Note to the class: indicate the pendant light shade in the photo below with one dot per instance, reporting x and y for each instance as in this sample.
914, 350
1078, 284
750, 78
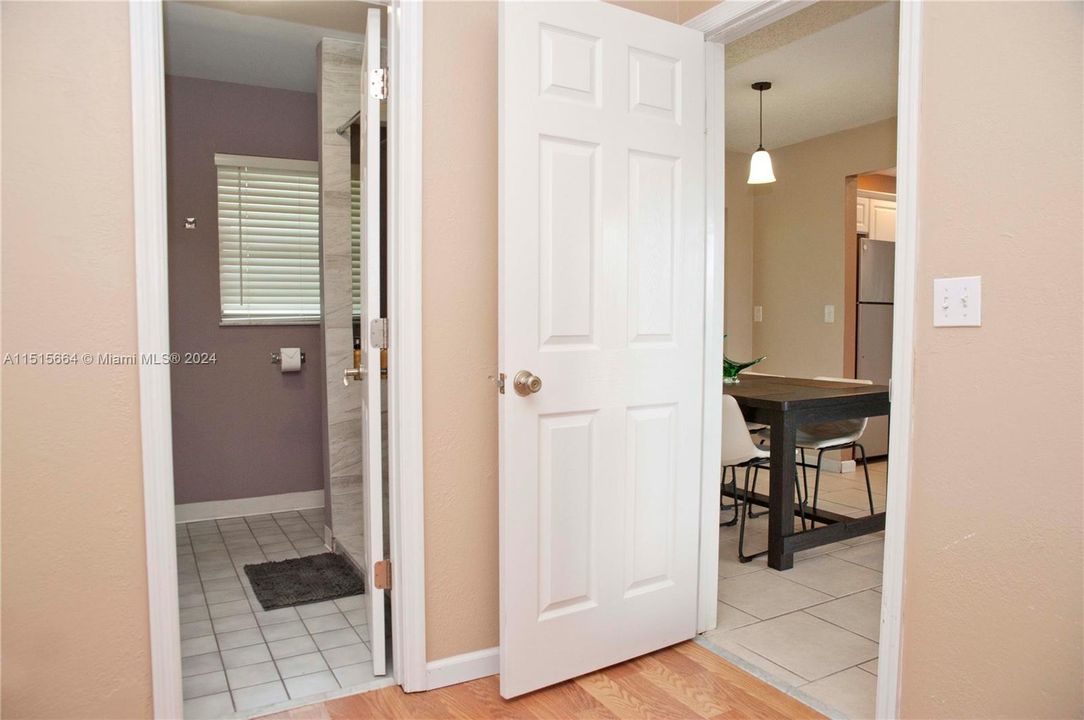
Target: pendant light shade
760, 165
760, 168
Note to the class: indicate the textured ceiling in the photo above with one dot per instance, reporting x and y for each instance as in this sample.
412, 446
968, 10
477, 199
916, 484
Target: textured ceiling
825, 77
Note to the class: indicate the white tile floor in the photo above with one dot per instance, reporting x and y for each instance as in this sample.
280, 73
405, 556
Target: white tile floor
236, 657
814, 627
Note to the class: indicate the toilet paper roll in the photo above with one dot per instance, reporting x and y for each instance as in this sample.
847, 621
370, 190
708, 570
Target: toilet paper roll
291, 359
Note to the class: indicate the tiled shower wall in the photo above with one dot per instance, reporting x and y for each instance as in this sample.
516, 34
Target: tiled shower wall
339, 92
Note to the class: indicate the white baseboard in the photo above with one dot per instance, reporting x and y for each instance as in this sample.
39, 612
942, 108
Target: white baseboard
220, 509
461, 668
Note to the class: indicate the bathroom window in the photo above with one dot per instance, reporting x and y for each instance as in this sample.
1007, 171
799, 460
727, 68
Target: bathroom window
268, 240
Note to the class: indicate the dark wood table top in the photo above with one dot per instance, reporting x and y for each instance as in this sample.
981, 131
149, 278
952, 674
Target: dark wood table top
787, 393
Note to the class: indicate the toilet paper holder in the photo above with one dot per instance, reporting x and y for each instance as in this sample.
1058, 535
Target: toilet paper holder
276, 358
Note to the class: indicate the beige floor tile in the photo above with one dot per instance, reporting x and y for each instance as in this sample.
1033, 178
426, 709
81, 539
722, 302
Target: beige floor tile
833, 576
863, 539
767, 593
805, 645
870, 667
779, 674
869, 554
852, 692
730, 618
860, 613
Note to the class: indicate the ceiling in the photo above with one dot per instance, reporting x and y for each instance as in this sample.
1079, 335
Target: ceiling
256, 43
838, 77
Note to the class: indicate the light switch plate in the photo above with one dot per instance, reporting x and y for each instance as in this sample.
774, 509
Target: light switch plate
829, 313
957, 302
758, 313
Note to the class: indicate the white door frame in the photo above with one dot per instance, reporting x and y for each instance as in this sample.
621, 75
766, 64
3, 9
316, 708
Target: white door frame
724, 23
407, 547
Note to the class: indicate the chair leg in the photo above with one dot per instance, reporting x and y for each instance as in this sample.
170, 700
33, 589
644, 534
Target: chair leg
753, 514
801, 502
742, 557
865, 469
734, 483
803, 497
816, 487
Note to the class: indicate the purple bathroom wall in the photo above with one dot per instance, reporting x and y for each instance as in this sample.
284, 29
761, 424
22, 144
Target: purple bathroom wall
241, 428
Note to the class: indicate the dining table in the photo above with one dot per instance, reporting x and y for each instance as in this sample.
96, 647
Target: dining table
785, 404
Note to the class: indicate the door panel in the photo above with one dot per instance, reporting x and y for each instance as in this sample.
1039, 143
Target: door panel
602, 296
373, 475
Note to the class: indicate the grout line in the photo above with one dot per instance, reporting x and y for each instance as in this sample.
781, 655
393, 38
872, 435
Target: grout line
237, 574
221, 660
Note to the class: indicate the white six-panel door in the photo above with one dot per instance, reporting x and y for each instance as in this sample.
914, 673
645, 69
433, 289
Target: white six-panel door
602, 297
373, 472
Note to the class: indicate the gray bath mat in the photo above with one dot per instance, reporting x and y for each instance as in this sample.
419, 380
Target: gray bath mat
309, 579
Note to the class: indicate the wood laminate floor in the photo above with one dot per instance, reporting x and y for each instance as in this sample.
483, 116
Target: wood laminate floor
683, 681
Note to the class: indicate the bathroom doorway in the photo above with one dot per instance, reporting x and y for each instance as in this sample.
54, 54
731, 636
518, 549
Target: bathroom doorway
277, 256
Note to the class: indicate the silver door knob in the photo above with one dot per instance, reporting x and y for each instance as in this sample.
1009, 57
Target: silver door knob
526, 383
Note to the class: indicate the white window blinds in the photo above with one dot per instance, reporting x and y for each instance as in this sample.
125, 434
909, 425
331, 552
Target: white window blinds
268, 239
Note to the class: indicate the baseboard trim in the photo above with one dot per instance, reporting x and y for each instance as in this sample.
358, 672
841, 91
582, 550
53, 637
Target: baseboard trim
221, 509
461, 668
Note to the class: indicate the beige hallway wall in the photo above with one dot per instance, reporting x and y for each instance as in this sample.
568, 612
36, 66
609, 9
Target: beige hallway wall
798, 249
738, 266
75, 636
992, 595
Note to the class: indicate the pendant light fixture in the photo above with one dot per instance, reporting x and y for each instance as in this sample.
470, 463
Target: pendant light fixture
760, 165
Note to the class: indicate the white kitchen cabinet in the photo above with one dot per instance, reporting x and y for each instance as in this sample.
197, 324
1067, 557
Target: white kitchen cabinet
877, 215
863, 214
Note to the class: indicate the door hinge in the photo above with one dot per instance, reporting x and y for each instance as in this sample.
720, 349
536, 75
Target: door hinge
378, 83
382, 575
378, 333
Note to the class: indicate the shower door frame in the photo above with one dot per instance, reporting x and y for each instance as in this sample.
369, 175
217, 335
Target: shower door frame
404, 179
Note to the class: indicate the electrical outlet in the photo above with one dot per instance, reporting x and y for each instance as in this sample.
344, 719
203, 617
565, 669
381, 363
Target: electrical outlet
758, 313
829, 313
957, 302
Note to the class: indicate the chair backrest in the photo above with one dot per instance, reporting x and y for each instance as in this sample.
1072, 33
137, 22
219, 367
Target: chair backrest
849, 381
738, 446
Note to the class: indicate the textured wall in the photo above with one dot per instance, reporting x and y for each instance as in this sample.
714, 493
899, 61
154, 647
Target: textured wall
241, 428
992, 591
75, 639
798, 265
459, 316
738, 266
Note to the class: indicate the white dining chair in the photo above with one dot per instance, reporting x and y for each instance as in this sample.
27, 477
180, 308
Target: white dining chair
739, 450
834, 435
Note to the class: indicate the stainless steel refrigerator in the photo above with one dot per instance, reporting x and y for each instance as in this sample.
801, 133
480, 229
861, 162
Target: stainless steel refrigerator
876, 271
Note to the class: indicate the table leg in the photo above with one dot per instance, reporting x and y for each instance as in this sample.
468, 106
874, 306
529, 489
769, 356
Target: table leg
781, 497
